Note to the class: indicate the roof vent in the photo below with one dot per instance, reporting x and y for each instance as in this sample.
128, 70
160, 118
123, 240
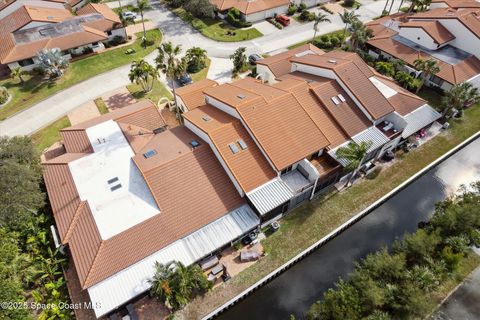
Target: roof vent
241, 96
194, 143
332, 61
149, 154
159, 130
341, 97
242, 144
233, 147
50, 17
335, 100
206, 118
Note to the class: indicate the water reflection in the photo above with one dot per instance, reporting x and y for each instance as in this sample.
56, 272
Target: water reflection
295, 290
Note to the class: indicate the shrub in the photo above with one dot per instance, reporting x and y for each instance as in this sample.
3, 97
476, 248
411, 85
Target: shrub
4, 95
349, 3
302, 7
307, 16
116, 41
325, 37
177, 3
130, 51
292, 8
234, 18
334, 41
200, 8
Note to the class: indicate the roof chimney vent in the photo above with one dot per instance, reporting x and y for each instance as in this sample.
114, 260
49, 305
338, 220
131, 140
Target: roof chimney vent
332, 61
206, 118
241, 96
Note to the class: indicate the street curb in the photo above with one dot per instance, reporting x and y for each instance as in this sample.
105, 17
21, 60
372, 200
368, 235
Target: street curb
337, 231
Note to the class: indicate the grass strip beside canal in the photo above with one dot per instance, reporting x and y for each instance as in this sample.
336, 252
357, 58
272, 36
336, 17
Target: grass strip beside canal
314, 220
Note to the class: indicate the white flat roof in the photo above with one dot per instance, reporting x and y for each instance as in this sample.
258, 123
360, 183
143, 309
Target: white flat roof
134, 280
383, 88
111, 183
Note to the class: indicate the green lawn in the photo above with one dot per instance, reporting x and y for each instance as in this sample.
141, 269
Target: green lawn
158, 91
217, 29
314, 220
338, 32
202, 74
101, 106
47, 136
36, 89
432, 96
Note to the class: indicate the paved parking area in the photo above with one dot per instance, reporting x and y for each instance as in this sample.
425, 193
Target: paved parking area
265, 27
83, 113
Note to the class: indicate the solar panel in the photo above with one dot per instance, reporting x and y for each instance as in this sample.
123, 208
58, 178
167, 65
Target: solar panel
194, 143
233, 148
242, 144
342, 98
149, 153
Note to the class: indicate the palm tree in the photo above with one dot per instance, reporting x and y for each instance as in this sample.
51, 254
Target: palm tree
460, 95
160, 286
407, 81
391, 6
142, 5
421, 5
319, 18
171, 65
239, 60
385, 8
18, 73
360, 34
52, 62
348, 17
143, 74
354, 153
195, 58
427, 67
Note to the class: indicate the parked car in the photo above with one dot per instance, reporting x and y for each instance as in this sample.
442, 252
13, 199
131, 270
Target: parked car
253, 58
129, 15
283, 20
184, 79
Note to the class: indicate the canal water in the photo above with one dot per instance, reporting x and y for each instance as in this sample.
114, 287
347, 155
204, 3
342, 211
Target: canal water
295, 290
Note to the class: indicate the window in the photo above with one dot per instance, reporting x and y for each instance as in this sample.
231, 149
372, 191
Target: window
194, 143
26, 62
436, 80
149, 154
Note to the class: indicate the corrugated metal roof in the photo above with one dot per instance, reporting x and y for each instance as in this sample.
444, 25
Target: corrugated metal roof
372, 134
132, 281
270, 195
418, 119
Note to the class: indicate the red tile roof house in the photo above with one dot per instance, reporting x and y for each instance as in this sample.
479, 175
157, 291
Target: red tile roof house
29, 29
251, 152
449, 36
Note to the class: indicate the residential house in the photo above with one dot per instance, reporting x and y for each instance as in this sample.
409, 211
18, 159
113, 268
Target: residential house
449, 36
252, 10
29, 29
129, 192
191, 96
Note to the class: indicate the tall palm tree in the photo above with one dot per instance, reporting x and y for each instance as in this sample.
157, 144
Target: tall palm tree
391, 6
18, 73
420, 5
348, 17
171, 65
460, 95
142, 5
354, 153
160, 286
319, 18
427, 67
360, 34
385, 8
143, 74
195, 58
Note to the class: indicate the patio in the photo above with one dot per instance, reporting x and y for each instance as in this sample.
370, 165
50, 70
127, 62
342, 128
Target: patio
296, 181
325, 165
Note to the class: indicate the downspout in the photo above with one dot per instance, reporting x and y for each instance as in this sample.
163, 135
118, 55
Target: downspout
313, 190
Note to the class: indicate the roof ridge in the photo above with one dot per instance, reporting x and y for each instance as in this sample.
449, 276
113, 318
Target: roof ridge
74, 222
89, 273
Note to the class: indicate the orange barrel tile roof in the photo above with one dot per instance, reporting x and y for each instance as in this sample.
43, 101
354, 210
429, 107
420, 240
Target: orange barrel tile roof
249, 6
192, 95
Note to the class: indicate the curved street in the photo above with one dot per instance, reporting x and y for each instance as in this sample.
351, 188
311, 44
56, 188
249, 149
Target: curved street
176, 30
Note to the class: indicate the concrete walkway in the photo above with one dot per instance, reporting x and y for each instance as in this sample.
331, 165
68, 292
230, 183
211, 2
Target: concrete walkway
179, 32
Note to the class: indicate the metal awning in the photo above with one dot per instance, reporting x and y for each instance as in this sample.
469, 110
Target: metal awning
134, 280
372, 134
419, 119
270, 195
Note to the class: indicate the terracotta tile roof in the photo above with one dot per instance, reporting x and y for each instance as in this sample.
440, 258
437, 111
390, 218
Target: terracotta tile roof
303, 92
434, 29
45, 14
256, 86
470, 18
137, 119
213, 196
248, 166
355, 77
454, 74
231, 95
192, 94
457, 4
280, 65
248, 6
103, 9
283, 128
5, 3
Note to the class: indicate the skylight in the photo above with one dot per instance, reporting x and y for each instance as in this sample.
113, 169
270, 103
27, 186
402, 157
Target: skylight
342, 98
115, 187
194, 143
335, 100
159, 130
149, 153
206, 118
233, 147
242, 144
112, 180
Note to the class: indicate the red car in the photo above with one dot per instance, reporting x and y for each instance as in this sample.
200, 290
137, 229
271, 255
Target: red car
283, 19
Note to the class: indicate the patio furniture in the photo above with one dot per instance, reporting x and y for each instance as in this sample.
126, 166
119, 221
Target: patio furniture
217, 269
275, 226
388, 127
249, 255
211, 277
209, 263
